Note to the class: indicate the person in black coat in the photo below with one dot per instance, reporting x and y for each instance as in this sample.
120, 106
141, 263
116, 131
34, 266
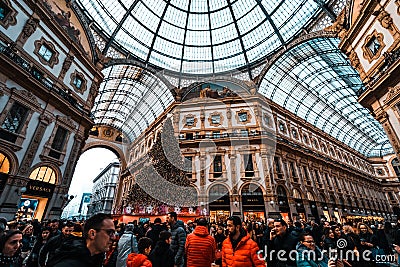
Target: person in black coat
219, 238
281, 239
33, 257
162, 255
48, 249
155, 230
88, 250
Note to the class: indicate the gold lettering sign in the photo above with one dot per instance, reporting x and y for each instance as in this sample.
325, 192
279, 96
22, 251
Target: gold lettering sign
39, 188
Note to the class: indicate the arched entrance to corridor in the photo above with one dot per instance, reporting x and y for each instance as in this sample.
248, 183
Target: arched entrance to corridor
92, 164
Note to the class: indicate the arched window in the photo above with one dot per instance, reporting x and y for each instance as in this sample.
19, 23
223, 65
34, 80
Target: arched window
396, 166
4, 164
44, 174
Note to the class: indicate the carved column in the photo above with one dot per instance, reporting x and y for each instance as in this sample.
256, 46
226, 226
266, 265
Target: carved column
93, 91
72, 160
34, 145
387, 126
28, 29
355, 62
65, 67
266, 168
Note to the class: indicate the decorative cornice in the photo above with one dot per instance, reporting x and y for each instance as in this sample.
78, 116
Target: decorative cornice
393, 93
67, 121
26, 95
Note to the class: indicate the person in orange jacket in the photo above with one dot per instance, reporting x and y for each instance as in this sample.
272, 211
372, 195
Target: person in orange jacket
141, 260
239, 250
200, 247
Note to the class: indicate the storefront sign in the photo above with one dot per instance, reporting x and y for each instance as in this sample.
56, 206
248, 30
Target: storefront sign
37, 188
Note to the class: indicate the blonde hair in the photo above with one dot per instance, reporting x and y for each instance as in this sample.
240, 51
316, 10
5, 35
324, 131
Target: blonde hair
348, 229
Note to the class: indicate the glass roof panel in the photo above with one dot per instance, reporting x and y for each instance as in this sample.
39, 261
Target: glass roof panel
212, 27
129, 99
329, 101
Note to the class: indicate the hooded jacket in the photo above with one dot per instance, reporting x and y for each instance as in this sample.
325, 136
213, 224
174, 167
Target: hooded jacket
162, 255
200, 248
138, 260
73, 252
126, 244
243, 255
178, 242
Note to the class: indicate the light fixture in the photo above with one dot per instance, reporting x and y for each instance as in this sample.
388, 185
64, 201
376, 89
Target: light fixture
345, 210
312, 206
336, 209
325, 207
271, 202
235, 203
281, 202
20, 190
354, 210
298, 204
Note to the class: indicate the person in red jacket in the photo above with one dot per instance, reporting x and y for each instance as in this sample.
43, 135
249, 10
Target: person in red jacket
239, 250
200, 247
141, 260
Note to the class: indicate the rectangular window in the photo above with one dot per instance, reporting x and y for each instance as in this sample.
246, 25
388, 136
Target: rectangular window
292, 169
215, 119
4, 10
59, 139
45, 52
217, 165
374, 45
277, 165
78, 82
317, 178
15, 118
248, 165
190, 121
306, 175
328, 181
188, 164
242, 116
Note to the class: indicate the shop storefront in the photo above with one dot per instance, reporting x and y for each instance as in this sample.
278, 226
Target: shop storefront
219, 205
33, 202
253, 203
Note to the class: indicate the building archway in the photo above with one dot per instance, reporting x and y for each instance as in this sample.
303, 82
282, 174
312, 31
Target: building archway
219, 203
253, 202
90, 165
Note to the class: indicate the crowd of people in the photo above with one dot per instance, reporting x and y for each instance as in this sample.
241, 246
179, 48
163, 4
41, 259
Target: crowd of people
102, 242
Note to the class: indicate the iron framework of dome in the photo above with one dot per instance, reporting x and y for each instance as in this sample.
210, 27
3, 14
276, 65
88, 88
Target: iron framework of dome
312, 79
200, 36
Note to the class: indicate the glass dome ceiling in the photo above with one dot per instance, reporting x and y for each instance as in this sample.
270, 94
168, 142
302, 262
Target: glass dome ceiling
200, 36
315, 81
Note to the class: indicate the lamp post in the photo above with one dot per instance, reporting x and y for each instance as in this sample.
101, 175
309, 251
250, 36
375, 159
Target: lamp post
66, 199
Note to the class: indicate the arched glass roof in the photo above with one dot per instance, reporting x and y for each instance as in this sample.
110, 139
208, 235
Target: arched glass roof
316, 82
130, 98
201, 36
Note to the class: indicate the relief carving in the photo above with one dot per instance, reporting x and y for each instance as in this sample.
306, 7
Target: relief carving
67, 121
386, 20
66, 65
28, 30
32, 149
72, 160
393, 92
94, 90
338, 27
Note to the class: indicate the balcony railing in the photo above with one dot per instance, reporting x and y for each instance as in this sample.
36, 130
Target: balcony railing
34, 72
